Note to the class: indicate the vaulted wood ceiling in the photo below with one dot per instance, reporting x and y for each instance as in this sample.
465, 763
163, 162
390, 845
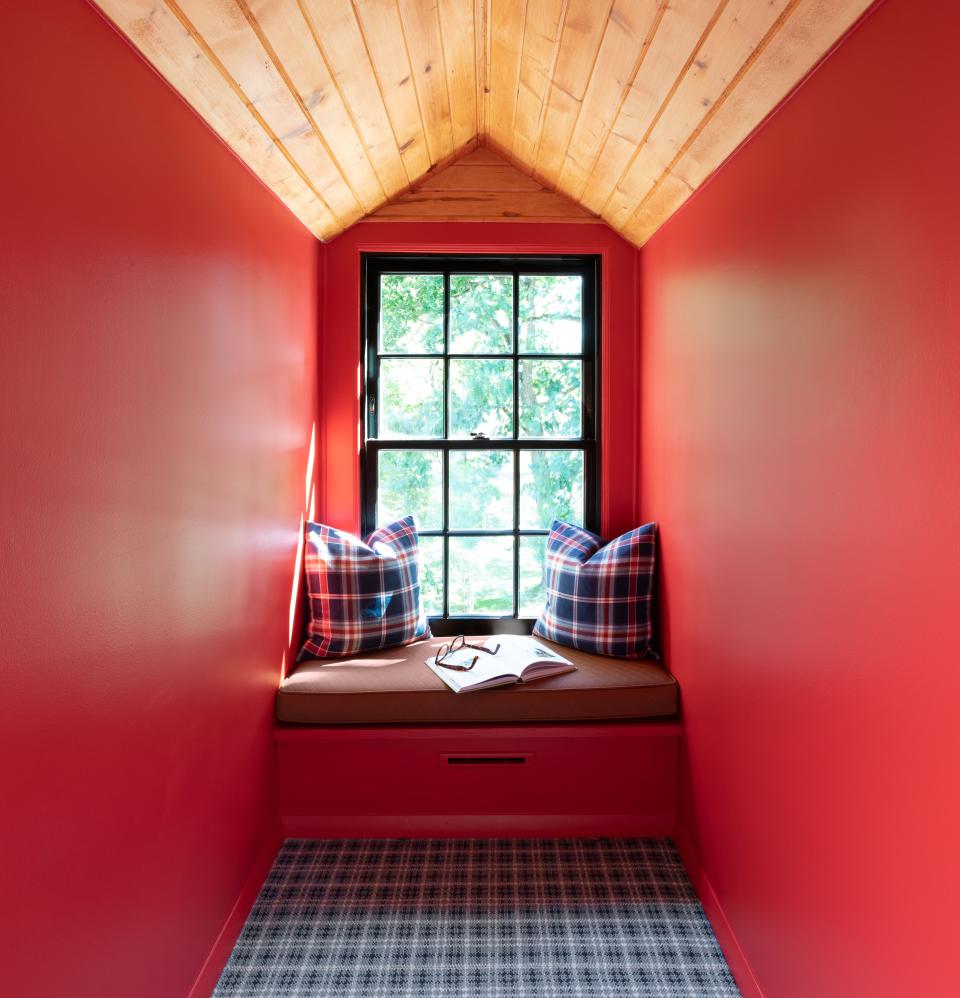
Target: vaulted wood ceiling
343, 107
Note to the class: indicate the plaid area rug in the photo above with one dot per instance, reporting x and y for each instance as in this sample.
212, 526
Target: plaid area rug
475, 918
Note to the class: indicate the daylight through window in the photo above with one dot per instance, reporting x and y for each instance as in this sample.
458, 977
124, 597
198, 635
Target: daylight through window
481, 418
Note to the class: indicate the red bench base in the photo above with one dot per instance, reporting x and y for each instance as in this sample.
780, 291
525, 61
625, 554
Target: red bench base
531, 780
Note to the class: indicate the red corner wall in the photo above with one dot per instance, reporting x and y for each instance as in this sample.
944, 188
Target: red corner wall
158, 318
800, 431
340, 363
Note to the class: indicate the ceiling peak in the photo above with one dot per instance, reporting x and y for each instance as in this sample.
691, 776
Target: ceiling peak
481, 186
349, 109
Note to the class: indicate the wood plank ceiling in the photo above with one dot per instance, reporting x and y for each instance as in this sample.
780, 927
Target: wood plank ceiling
343, 107
482, 187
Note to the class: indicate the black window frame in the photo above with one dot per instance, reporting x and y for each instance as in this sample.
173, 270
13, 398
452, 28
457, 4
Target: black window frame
373, 266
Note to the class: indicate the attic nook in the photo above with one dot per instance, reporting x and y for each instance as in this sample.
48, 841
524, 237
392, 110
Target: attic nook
478, 505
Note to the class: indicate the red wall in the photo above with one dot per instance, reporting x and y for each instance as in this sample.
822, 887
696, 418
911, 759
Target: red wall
158, 320
801, 419
339, 393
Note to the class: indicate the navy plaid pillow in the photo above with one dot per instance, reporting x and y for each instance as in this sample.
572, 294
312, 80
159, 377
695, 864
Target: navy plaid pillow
363, 595
599, 595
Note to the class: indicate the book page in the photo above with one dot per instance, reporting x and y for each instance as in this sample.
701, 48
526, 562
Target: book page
526, 656
518, 659
488, 670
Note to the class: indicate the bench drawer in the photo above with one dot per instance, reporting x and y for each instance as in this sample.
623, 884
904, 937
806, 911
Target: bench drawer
548, 779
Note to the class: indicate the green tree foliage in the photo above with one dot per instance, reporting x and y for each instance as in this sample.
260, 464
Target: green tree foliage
411, 313
481, 401
550, 314
481, 313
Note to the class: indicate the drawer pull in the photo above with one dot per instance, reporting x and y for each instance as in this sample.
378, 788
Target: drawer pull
482, 759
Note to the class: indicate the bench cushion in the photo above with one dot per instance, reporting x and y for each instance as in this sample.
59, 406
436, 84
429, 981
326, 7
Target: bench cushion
395, 687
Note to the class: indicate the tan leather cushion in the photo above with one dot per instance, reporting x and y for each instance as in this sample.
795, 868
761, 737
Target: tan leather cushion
395, 687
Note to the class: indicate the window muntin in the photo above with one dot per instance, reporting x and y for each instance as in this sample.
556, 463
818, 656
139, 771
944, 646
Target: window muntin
480, 419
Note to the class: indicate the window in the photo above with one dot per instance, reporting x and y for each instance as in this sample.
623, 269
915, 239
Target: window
481, 420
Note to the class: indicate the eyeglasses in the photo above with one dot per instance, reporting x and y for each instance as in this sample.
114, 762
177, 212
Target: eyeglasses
455, 645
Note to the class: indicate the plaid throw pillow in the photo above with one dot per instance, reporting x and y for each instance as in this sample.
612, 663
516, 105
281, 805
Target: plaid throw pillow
363, 595
599, 595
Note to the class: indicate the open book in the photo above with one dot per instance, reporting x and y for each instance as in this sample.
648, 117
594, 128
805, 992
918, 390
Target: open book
519, 660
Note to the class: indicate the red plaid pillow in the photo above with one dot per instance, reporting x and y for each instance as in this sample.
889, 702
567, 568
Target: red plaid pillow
363, 595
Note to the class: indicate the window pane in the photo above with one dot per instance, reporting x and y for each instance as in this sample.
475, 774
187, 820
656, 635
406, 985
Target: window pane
410, 481
551, 314
481, 397
481, 313
551, 487
532, 592
431, 575
550, 398
411, 313
481, 575
411, 398
481, 490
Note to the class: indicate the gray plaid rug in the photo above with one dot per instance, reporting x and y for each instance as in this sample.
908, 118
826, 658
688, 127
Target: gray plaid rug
475, 918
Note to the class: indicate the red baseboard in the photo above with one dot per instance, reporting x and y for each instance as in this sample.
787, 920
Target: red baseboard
736, 958
223, 946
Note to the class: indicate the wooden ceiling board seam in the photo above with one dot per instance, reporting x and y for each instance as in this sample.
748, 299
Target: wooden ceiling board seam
488, 66
486, 205
488, 187
158, 35
457, 41
661, 8
742, 30
484, 186
478, 71
381, 171
718, 11
821, 19
427, 181
228, 35
516, 85
208, 52
315, 82
544, 25
789, 7
422, 56
611, 24
504, 153
240, 49
414, 151
446, 76
558, 45
570, 90
416, 92
363, 95
281, 69
482, 177
683, 25
505, 55
481, 156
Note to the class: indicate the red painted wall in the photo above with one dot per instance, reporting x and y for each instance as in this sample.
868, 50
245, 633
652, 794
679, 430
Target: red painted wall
339, 392
800, 427
158, 316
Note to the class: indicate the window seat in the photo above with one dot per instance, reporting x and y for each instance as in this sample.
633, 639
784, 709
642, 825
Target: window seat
395, 687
